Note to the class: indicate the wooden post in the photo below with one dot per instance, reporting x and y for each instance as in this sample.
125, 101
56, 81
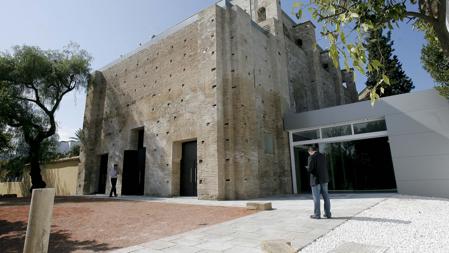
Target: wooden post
39, 221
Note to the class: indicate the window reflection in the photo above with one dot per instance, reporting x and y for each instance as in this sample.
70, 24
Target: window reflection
368, 127
336, 131
306, 135
361, 165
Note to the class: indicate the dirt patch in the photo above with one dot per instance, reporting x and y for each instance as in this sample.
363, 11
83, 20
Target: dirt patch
92, 225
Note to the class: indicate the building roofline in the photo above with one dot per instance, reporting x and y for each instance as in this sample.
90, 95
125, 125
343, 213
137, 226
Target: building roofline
162, 35
169, 31
305, 23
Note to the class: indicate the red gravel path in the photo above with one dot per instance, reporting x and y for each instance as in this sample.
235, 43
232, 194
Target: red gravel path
92, 225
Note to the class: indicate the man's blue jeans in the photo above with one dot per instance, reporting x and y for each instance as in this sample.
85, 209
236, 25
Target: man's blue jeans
317, 190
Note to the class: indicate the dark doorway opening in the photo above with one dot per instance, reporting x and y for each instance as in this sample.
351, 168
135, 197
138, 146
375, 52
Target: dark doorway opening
140, 135
189, 169
354, 166
302, 176
133, 178
103, 174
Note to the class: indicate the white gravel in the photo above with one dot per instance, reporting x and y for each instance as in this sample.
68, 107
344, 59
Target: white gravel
403, 224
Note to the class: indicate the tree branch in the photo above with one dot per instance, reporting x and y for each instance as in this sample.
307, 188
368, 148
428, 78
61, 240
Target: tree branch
426, 18
70, 87
55, 106
330, 16
11, 124
26, 99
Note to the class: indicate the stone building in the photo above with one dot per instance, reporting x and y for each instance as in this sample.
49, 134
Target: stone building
198, 110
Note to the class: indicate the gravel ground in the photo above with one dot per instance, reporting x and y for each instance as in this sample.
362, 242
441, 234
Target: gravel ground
402, 224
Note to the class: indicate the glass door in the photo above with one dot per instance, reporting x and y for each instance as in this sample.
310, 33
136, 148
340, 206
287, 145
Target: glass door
354, 166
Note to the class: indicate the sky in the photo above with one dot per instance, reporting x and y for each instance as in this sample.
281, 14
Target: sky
108, 29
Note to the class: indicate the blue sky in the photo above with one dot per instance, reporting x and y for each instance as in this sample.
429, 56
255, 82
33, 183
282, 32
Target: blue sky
108, 29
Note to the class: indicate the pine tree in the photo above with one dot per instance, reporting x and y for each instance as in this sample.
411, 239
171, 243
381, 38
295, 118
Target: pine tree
380, 47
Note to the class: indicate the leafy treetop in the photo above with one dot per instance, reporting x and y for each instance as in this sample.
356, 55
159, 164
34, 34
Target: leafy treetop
346, 22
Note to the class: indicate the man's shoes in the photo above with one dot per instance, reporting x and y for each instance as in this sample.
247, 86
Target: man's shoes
315, 217
327, 216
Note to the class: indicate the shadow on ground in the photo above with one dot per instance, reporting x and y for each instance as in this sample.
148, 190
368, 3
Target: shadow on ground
371, 219
333, 195
12, 238
58, 200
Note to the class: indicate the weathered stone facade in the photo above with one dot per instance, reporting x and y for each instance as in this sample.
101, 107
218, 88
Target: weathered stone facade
224, 77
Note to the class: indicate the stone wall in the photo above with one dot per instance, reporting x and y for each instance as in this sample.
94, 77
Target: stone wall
255, 97
167, 87
315, 81
225, 77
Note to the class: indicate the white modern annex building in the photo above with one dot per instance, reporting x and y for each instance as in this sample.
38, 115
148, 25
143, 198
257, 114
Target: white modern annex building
399, 144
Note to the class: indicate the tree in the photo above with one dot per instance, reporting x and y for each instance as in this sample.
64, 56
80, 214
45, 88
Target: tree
346, 22
32, 84
79, 139
5, 138
17, 156
436, 62
74, 151
79, 136
380, 46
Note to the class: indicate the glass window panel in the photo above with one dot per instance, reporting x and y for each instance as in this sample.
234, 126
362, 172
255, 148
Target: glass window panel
360, 165
336, 131
369, 127
306, 135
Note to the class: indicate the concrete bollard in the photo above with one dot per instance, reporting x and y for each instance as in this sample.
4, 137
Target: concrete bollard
39, 221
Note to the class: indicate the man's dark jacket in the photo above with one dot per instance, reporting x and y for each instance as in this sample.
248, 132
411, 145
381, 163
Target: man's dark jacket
318, 169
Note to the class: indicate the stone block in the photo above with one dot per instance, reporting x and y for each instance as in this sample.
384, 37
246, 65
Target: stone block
262, 206
277, 246
352, 247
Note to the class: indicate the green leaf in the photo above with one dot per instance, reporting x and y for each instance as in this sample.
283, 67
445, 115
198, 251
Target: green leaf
376, 64
373, 96
360, 69
365, 27
299, 14
333, 53
343, 37
386, 79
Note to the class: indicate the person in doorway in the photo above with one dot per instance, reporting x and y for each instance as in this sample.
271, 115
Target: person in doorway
319, 178
114, 174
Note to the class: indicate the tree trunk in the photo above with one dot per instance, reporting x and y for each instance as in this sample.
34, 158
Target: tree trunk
35, 172
441, 30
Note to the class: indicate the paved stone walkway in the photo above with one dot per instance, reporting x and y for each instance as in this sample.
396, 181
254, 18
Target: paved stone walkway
289, 221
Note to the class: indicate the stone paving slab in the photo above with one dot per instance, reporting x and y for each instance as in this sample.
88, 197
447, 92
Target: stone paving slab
352, 247
288, 221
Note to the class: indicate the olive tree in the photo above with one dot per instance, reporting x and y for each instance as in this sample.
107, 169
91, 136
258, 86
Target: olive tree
33, 83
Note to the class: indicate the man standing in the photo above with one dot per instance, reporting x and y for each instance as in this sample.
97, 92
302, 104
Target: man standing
114, 174
319, 178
